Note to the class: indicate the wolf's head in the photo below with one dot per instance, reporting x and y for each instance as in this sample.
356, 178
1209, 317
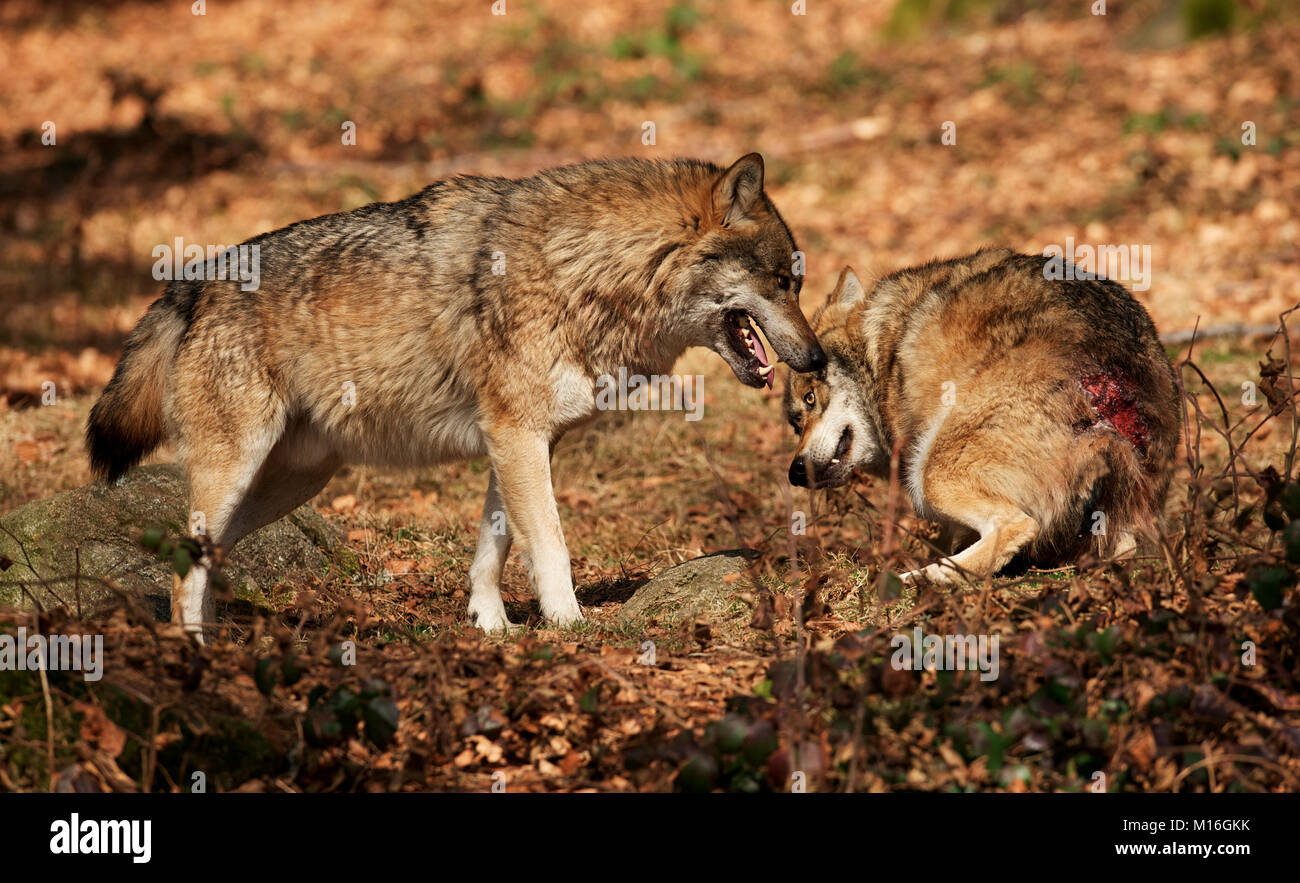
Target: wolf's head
834, 410
743, 277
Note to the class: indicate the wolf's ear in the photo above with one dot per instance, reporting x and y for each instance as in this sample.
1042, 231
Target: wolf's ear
848, 291
739, 189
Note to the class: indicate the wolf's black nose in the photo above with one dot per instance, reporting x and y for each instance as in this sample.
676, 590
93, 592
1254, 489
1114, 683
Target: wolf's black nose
817, 359
798, 473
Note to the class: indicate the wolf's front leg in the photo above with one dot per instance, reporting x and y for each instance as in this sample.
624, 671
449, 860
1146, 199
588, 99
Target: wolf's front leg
486, 609
521, 461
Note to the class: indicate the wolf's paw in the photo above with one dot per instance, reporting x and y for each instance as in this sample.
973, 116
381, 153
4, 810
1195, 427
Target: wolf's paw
489, 614
935, 573
564, 613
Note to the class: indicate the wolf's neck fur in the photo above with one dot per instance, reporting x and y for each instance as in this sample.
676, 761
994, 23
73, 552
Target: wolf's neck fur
869, 327
619, 242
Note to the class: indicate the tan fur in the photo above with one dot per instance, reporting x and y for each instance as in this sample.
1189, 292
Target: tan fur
130, 413
997, 383
470, 319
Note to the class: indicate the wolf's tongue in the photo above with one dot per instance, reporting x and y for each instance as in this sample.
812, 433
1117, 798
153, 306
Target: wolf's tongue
759, 352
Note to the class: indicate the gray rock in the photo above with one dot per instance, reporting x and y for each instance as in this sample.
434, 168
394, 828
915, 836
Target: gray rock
693, 588
100, 524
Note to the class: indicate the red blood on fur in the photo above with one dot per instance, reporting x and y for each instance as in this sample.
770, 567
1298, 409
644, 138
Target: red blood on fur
1113, 400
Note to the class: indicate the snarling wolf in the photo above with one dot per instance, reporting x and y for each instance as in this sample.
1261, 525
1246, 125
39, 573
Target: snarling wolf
1039, 416
470, 319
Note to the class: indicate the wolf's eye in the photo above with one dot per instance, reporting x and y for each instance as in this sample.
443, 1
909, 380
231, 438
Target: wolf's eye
782, 281
810, 398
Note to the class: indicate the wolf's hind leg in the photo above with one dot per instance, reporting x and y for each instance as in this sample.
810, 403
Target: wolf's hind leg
486, 609
1003, 530
297, 468
1002, 534
242, 481
521, 460
273, 494
221, 477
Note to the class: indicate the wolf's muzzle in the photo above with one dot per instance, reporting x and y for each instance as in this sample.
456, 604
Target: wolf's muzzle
812, 359
799, 472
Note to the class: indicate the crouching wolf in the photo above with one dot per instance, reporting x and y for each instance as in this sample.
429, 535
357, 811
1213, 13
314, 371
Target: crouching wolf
1040, 415
470, 319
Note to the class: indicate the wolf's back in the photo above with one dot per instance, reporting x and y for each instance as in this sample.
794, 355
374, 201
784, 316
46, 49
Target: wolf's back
127, 421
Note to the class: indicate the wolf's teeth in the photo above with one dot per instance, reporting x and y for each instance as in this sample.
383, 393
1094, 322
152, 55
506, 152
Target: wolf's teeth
744, 333
765, 370
834, 461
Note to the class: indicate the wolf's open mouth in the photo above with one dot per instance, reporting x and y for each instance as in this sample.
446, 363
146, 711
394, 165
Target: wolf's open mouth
836, 472
842, 449
746, 344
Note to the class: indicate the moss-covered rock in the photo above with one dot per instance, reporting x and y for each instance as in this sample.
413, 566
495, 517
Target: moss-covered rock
695, 588
95, 530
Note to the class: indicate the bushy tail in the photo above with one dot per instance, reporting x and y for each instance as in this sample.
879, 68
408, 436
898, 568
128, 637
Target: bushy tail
1119, 480
1127, 489
127, 421
1132, 493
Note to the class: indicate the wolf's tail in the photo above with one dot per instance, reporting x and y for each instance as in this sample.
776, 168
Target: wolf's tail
1132, 492
1120, 493
127, 421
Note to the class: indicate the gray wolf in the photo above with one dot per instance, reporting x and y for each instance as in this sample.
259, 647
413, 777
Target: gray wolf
470, 319
1040, 417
